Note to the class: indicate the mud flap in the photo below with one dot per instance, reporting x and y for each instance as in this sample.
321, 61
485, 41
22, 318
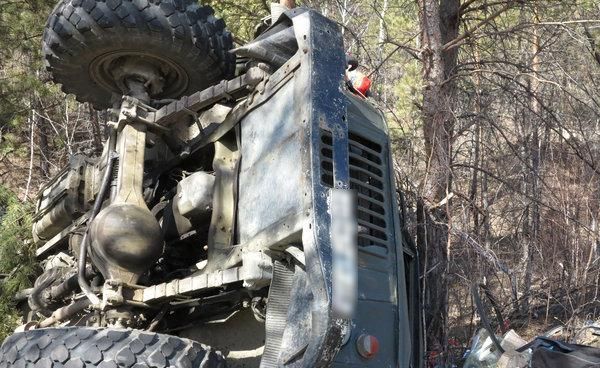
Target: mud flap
277, 311
288, 317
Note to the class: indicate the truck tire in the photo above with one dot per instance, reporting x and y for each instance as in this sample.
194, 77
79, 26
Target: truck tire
83, 40
84, 347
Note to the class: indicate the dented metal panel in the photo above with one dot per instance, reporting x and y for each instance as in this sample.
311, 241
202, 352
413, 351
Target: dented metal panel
282, 193
321, 105
271, 175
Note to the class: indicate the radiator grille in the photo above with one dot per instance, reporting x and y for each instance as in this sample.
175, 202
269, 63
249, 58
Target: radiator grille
367, 178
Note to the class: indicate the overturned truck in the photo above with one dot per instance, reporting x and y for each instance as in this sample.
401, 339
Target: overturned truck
243, 209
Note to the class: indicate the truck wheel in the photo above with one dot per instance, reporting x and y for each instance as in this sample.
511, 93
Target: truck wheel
83, 347
86, 41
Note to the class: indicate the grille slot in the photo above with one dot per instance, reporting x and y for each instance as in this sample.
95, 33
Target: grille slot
367, 178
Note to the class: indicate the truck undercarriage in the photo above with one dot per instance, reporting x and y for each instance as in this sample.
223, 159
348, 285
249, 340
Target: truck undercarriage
257, 216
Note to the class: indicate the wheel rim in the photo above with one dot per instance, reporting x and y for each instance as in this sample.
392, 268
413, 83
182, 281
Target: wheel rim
175, 77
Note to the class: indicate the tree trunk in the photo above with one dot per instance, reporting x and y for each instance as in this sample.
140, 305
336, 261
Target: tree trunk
439, 24
381, 39
44, 133
31, 120
476, 155
534, 152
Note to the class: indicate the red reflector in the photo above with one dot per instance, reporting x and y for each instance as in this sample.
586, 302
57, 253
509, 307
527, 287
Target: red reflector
362, 85
360, 82
367, 346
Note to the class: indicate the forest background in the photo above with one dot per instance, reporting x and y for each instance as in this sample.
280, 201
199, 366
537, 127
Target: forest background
494, 113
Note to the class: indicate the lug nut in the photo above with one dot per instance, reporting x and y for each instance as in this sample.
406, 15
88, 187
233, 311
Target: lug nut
367, 346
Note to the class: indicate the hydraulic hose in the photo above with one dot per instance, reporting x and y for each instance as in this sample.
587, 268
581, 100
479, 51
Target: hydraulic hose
106, 181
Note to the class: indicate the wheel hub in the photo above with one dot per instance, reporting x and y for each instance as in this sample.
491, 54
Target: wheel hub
122, 72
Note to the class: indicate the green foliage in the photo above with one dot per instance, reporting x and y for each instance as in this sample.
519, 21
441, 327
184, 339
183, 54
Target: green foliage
21, 26
241, 17
17, 256
11, 145
9, 319
407, 92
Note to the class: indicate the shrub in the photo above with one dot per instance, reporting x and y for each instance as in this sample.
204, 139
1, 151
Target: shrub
18, 265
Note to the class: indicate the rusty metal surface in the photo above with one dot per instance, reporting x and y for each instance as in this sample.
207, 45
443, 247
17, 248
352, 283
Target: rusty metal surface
225, 196
289, 148
193, 202
60, 202
252, 273
125, 236
321, 104
226, 90
287, 143
190, 286
59, 239
271, 173
264, 87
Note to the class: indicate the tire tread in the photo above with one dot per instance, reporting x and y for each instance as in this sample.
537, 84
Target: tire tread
188, 33
87, 347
